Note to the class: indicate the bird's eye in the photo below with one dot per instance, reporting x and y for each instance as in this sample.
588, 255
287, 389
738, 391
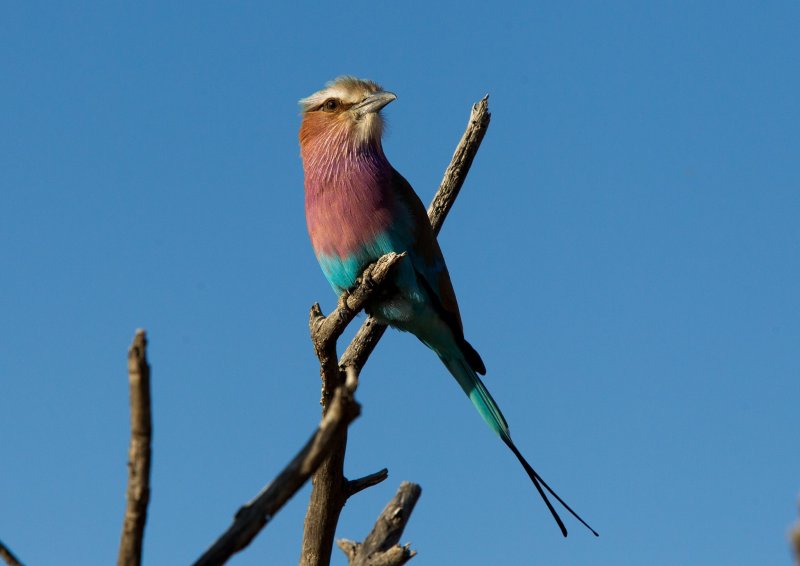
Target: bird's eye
330, 105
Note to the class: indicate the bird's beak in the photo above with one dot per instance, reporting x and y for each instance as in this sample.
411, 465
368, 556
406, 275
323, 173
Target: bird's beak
373, 103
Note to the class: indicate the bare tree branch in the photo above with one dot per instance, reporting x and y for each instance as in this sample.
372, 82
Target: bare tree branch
381, 547
138, 491
325, 331
330, 491
8, 556
456, 172
331, 488
340, 410
253, 516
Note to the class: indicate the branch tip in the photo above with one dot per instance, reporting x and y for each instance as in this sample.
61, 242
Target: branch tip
381, 545
139, 454
360, 484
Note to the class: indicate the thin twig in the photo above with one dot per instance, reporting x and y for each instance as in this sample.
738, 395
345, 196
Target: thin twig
381, 545
341, 410
138, 492
8, 556
330, 490
360, 484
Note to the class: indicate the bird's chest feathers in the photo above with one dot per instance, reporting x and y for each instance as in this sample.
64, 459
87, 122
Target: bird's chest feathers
350, 213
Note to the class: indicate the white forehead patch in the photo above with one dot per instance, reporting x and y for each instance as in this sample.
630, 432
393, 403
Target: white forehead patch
347, 89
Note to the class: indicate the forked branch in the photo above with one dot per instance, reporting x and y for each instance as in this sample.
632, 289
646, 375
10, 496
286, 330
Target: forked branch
381, 547
254, 515
341, 410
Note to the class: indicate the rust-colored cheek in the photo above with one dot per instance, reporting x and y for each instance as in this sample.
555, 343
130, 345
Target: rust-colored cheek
319, 125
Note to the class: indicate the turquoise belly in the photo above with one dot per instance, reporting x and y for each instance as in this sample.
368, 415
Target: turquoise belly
342, 272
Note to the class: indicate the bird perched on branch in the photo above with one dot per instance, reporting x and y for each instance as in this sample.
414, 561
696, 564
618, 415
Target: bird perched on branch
358, 208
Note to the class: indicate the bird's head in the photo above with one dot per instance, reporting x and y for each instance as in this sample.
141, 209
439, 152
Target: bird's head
346, 111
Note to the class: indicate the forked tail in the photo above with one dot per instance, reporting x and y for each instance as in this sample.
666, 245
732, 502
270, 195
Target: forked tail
483, 401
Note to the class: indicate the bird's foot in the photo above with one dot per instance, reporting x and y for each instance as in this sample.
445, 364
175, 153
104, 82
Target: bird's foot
366, 279
343, 308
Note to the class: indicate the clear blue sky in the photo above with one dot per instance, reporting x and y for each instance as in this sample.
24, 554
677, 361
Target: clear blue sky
626, 253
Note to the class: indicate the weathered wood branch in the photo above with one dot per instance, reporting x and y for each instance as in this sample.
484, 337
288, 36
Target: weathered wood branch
253, 516
456, 172
340, 410
8, 556
325, 331
139, 453
330, 491
381, 547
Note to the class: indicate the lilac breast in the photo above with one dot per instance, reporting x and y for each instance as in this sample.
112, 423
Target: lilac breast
348, 200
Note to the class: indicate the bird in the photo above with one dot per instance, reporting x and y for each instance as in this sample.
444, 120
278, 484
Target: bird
359, 208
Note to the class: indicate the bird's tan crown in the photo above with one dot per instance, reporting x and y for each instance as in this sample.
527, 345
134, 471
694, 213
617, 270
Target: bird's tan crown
346, 89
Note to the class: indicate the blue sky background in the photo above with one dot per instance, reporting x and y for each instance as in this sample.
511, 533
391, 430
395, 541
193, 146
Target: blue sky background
626, 252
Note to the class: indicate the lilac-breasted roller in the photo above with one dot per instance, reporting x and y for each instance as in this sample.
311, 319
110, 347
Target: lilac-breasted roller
358, 208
